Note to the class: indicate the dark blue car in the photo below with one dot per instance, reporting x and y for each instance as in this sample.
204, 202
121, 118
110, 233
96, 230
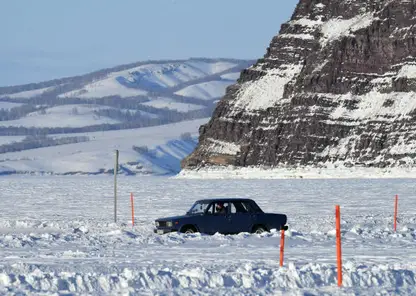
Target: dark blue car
223, 215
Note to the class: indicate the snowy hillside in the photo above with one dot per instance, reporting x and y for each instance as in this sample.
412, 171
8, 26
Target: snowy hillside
8, 105
153, 150
135, 79
72, 125
102, 88
61, 116
168, 91
172, 105
57, 236
29, 93
139, 80
206, 91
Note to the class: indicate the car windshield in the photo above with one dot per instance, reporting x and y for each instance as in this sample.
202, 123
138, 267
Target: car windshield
198, 208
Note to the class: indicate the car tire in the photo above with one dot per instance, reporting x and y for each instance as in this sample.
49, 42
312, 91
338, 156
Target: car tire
188, 230
259, 229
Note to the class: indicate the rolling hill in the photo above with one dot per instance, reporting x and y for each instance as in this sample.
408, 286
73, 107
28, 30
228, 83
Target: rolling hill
72, 125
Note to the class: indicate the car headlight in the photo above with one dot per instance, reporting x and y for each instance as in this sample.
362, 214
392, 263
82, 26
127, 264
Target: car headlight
169, 224
157, 224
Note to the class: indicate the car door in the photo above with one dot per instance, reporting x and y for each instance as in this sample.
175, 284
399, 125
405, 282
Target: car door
214, 222
241, 219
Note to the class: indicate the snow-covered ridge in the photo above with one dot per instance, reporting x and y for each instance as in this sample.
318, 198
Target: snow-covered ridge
136, 95
206, 90
209, 279
137, 80
28, 93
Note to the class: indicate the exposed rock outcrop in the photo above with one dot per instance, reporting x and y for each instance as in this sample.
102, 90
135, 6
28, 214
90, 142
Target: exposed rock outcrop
337, 84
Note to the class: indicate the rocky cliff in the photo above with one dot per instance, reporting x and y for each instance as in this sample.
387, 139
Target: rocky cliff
337, 84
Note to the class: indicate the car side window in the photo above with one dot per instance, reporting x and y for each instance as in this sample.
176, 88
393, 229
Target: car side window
247, 207
238, 207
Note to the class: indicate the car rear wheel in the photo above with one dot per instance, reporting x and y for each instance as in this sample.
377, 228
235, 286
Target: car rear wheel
259, 229
188, 229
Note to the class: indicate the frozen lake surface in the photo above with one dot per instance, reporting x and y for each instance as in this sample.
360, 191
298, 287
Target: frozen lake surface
57, 236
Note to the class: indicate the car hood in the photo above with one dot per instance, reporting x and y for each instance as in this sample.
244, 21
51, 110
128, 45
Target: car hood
173, 218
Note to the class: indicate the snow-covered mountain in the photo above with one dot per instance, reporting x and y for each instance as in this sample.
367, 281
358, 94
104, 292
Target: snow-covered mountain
72, 125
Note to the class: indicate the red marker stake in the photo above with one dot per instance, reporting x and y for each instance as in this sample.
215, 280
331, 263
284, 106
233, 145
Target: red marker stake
338, 238
282, 245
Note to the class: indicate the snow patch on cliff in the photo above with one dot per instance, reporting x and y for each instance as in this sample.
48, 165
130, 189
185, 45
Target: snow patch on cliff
299, 36
403, 146
408, 71
337, 28
375, 105
268, 90
222, 147
305, 22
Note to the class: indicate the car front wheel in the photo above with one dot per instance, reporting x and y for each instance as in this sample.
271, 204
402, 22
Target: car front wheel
188, 229
259, 229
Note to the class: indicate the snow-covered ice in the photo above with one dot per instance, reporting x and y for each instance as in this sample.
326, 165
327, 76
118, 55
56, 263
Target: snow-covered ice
57, 236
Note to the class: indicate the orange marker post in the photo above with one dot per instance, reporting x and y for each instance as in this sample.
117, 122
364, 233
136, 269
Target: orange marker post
396, 202
282, 245
132, 209
338, 238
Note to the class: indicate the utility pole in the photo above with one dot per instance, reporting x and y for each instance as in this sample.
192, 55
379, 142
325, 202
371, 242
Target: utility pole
115, 186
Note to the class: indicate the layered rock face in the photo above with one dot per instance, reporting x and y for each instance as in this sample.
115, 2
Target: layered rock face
337, 85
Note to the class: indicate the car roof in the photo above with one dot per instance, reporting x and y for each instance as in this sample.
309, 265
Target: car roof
225, 199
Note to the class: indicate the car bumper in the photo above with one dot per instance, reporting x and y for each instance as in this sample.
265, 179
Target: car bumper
164, 230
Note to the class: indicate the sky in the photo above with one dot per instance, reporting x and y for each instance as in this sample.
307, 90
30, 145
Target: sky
48, 39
